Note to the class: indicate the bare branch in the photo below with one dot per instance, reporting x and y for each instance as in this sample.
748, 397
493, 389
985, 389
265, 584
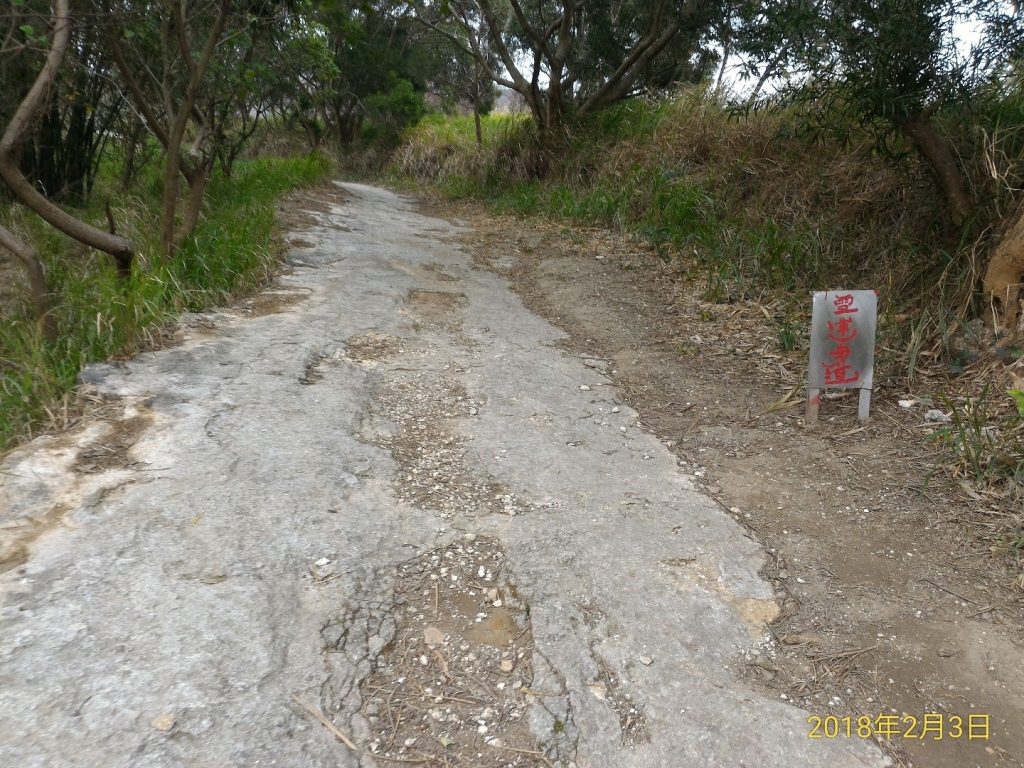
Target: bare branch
620, 83
36, 279
134, 88
118, 247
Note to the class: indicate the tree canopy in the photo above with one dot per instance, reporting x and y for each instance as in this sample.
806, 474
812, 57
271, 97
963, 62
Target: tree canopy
191, 81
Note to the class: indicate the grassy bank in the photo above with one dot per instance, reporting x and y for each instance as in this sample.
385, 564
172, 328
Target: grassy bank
234, 250
750, 207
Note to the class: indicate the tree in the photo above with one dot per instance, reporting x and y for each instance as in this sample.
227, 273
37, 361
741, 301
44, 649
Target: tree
28, 256
278, 57
574, 55
375, 48
885, 66
163, 42
120, 248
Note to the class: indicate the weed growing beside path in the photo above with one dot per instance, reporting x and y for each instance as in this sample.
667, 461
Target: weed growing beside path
233, 251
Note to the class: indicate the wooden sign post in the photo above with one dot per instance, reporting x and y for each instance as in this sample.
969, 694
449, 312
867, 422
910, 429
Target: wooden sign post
842, 347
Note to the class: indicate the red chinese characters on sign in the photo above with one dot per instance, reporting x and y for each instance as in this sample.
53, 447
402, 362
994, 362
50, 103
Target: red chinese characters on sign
841, 331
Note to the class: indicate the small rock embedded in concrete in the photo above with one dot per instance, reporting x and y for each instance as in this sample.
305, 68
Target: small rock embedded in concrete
506, 665
599, 691
615, 409
783, 574
470, 537
492, 594
646, 661
714, 490
323, 561
164, 723
584, 388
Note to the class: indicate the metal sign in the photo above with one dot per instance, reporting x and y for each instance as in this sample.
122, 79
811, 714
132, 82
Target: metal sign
842, 347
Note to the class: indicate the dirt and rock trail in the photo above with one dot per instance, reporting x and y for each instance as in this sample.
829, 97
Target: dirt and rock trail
891, 599
384, 514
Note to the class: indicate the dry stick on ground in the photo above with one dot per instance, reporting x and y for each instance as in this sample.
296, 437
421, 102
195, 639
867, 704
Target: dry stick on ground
121, 249
950, 591
846, 655
327, 724
36, 280
417, 761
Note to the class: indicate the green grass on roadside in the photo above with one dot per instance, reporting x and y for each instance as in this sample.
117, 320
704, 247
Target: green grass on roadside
232, 252
747, 206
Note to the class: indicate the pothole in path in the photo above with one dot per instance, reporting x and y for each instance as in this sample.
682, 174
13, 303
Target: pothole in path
111, 451
368, 347
436, 309
270, 302
607, 687
311, 372
411, 415
451, 689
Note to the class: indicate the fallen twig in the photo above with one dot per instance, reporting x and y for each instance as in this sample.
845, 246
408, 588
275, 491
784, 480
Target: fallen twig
995, 607
848, 654
327, 724
950, 591
523, 752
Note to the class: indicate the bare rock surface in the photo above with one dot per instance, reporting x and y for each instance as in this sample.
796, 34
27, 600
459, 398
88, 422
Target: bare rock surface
395, 504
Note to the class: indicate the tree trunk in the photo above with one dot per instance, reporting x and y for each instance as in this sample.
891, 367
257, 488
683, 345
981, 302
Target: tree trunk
921, 129
118, 247
197, 179
476, 103
129, 156
173, 169
36, 280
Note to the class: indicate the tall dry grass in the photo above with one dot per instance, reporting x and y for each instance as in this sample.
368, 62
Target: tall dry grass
755, 204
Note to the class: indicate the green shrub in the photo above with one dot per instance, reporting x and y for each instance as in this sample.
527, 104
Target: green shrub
392, 112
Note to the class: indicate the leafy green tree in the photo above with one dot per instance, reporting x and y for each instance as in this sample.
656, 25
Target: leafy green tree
18, 127
397, 109
376, 47
278, 58
883, 66
577, 56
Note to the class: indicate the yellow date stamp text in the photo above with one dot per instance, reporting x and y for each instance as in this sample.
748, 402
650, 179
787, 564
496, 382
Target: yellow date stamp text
931, 725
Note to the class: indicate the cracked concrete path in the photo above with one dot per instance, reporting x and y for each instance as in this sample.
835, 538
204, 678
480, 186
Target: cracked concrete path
287, 469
